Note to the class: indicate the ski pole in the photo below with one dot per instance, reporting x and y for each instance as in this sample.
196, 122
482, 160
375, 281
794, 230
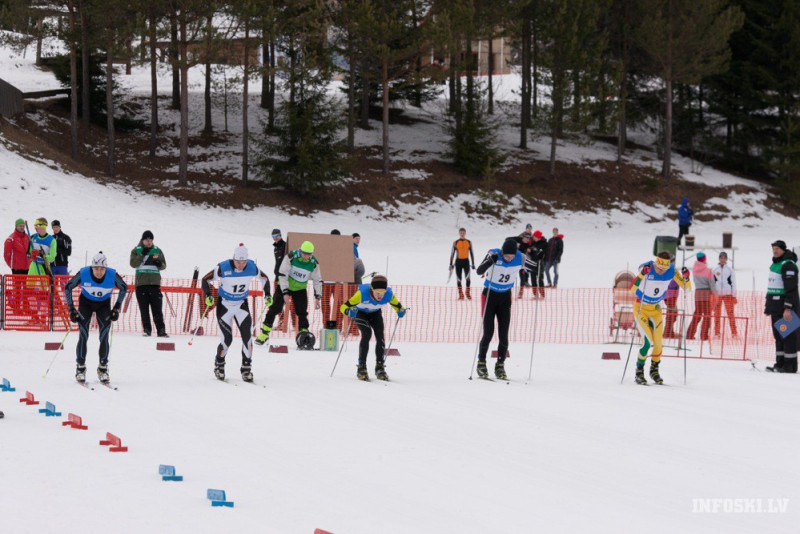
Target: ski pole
195, 330
391, 339
57, 351
683, 333
483, 318
344, 342
170, 305
633, 337
533, 340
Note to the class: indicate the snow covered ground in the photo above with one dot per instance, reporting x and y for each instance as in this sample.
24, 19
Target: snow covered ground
430, 452
572, 451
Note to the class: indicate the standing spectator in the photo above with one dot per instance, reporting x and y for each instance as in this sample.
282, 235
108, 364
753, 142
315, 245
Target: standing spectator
685, 214
523, 242
725, 284
97, 283
43, 249
555, 248
279, 246
781, 300
149, 261
16, 250
356, 242
64, 246
462, 252
703, 292
537, 253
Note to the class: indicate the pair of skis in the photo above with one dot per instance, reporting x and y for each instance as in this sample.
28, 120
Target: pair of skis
87, 385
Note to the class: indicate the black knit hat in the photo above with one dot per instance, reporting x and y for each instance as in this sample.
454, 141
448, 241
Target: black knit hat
55, 222
147, 235
780, 243
379, 282
509, 247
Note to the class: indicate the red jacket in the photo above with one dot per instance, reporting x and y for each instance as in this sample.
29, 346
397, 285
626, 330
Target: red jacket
15, 251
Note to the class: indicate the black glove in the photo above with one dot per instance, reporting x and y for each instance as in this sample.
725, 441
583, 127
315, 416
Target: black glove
74, 316
494, 257
157, 262
115, 312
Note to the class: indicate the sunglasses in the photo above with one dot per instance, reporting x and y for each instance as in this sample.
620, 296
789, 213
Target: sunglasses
40, 225
275, 235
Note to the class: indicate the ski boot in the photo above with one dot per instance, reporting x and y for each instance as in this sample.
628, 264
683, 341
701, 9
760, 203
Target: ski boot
482, 371
102, 373
264, 335
80, 373
361, 372
247, 374
640, 379
219, 369
654, 372
380, 372
500, 370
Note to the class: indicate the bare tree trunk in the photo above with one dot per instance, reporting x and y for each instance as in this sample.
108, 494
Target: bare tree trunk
245, 90
85, 96
110, 105
385, 117
271, 101
534, 83
452, 89
153, 85
39, 38
173, 54
265, 38
208, 127
490, 68
183, 165
73, 83
351, 96
364, 115
667, 163
525, 99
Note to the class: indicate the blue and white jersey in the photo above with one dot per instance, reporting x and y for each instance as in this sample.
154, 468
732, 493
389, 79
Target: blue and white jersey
368, 304
655, 285
502, 276
97, 291
234, 286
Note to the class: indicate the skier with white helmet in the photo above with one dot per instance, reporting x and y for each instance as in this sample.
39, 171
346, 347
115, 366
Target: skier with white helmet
233, 279
97, 282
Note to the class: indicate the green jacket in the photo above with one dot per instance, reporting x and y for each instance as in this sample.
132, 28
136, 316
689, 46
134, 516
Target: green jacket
148, 262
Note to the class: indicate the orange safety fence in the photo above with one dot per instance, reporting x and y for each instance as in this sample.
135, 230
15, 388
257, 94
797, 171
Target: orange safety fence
436, 315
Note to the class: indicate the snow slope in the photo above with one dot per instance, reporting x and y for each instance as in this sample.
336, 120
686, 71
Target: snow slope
573, 451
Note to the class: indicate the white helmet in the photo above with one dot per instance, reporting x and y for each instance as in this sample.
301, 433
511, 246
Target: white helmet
99, 260
240, 253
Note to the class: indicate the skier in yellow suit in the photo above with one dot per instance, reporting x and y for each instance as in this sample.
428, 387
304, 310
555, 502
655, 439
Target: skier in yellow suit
650, 288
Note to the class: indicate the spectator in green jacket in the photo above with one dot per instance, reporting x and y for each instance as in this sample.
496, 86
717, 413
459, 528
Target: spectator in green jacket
149, 261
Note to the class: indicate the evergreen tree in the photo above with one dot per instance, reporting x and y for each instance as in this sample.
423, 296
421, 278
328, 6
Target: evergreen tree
306, 152
686, 40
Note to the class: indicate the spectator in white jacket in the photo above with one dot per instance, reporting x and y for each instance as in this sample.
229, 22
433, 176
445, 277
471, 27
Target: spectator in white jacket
725, 282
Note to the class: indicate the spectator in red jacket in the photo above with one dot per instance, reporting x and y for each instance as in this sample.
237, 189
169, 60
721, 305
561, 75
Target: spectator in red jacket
16, 251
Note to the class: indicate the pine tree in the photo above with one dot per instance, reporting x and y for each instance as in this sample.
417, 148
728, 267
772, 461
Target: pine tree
306, 153
686, 40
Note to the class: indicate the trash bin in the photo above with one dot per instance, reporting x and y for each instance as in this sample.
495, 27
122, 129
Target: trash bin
665, 242
689, 240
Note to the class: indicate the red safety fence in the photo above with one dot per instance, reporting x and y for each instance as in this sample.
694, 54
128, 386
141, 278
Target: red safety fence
436, 315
